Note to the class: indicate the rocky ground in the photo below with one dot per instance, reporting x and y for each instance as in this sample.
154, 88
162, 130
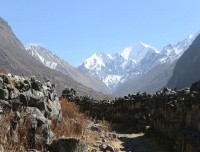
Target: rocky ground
136, 142
139, 143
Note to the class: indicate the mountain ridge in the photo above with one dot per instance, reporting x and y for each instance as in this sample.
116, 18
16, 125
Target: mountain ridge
187, 70
158, 77
52, 61
132, 62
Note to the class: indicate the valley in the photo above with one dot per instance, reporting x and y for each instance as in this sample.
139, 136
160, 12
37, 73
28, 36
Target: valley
138, 100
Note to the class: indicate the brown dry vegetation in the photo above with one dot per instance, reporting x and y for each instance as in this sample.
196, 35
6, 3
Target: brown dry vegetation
72, 124
12, 141
75, 124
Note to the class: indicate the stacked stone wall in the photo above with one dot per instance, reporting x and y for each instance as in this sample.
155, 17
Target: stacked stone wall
173, 117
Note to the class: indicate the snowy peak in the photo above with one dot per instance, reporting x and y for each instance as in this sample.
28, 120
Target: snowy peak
173, 52
43, 55
126, 53
96, 61
131, 62
54, 62
113, 69
140, 50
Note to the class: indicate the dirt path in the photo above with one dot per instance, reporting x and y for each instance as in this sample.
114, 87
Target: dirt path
136, 143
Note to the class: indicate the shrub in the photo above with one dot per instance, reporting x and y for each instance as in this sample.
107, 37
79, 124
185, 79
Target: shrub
12, 142
73, 123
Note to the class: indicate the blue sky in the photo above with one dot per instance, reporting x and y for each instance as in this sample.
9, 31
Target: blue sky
75, 29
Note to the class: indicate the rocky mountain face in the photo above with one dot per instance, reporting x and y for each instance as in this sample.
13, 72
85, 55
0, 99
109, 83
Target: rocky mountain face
156, 78
150, 82
52, 61
187, 68
16, 60
120, 67
133, 63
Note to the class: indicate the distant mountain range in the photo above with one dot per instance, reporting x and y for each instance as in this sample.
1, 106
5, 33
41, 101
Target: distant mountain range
116, 69
156, 78
17, 60
140, 68
54, 62
136, 68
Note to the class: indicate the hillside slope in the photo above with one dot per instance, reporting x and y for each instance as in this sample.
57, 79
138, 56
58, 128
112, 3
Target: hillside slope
187, 69
151, 82
16, 60
52, 61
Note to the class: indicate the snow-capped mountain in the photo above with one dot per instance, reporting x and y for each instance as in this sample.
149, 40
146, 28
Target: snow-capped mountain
118, 68
54, 62
131, 62
158, 77
43, 55
173, 52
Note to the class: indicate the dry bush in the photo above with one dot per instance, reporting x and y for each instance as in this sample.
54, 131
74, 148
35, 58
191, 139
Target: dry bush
75, 124
8, 138
5, 128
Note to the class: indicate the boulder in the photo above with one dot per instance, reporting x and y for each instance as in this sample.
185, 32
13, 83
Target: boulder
40, 131
4, 94
195, 86
68, 145
1, 148
4, 105
106, 148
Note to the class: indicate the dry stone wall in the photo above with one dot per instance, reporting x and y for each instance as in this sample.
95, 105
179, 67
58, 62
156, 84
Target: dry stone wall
173, 117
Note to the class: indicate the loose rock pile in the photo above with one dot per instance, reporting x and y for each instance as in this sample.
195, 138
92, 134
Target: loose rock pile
173, 117
31, 107
20, 92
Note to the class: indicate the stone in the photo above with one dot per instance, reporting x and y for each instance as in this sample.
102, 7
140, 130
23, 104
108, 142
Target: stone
68, 145
93, 150
195, 86
36, 85
39, 131
4, 94
106, 148
1, 80
5, 105
33, 150
109, 148
1, 148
